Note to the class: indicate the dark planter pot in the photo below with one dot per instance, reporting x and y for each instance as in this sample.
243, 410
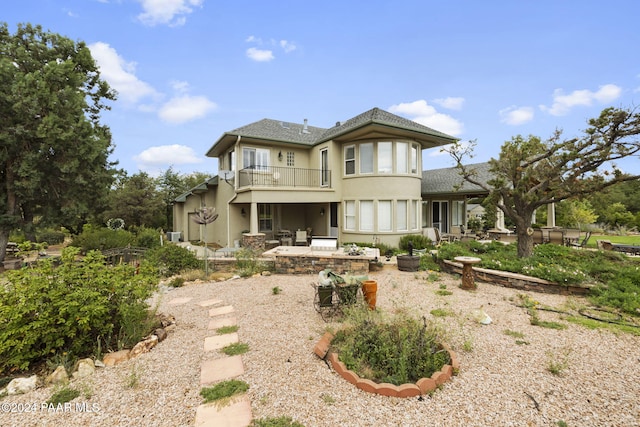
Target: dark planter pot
408, 262
325, 293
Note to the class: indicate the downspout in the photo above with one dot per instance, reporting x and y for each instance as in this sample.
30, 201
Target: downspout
235, 193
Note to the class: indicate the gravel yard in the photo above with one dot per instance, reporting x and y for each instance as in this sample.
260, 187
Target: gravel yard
501, 381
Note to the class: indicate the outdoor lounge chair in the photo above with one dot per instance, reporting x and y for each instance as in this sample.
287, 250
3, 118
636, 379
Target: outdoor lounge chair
301, 238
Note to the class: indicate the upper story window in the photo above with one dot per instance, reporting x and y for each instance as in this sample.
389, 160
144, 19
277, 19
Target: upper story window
414, 158
385, 157
255, 158
350, 160
366, 157
402, 157
231, 161
290, 158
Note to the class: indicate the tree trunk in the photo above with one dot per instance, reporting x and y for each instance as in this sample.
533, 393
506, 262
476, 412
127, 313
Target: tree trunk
525, 243
4, 239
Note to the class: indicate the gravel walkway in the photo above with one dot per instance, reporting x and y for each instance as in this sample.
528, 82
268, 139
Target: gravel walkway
500, 382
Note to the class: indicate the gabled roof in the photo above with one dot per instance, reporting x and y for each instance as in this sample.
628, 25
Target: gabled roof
203, 187
449, 181
372, 123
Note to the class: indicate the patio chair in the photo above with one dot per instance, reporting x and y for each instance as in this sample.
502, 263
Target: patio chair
571, 236
301, 238
583, 243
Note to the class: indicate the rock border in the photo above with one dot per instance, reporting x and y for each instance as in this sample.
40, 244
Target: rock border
422, 386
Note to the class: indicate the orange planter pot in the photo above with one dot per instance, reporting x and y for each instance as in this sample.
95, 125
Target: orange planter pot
369, 291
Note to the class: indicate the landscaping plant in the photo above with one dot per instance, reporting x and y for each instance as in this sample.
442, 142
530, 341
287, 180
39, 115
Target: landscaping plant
47, 310
395, 350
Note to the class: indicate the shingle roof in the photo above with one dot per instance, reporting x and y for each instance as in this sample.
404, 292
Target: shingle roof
296, 133
276, 130
449, 180
376, 115
200, 188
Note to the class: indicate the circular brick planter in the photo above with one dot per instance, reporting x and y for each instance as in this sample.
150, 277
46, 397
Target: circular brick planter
422, 386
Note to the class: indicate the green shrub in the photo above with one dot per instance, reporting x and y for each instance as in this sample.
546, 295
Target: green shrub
103, 238
52, 237
427, 263
147, 238
171, 259
71, 308
247, 263
397, 350
419, 242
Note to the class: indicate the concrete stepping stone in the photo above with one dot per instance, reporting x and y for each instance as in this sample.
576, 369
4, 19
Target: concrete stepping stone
217, 370
219, 341
218, 311
178, 301
210, 302
236, 414
222, 322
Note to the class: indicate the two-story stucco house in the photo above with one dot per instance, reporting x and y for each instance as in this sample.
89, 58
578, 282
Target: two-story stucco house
359, 181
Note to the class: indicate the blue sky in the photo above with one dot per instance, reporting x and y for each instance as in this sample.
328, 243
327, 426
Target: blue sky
186, 71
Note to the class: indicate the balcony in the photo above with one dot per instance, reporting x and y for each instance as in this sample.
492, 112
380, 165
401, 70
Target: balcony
276, 176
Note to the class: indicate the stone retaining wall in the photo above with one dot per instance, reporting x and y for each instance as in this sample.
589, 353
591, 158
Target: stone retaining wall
517, 281
311, 264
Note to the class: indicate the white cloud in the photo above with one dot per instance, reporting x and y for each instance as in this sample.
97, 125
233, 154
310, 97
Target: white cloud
170, 12
452, 103
562, 103
423, 113
166, 155
120, 74
287, 46
516, 115
180, 86
181, 109
260, 55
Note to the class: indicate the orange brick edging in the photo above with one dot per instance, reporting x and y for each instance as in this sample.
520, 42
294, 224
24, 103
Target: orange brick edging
422, 386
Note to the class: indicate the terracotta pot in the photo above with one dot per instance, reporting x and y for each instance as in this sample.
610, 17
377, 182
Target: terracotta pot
369, 291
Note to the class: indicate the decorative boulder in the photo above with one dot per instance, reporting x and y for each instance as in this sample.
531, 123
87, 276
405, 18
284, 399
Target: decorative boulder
59, 376
115, 358
85, 368
22, 385
160, 333
143, 346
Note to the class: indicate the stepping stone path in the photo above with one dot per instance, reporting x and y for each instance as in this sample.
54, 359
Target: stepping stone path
238, 412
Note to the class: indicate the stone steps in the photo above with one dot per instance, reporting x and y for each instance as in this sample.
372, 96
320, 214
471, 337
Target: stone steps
236, 413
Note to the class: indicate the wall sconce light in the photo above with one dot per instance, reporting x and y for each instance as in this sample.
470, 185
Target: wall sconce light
321, 211
243, 212
280, 156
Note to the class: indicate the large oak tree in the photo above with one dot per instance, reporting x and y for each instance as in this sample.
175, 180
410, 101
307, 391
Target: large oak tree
53, 149
530, 173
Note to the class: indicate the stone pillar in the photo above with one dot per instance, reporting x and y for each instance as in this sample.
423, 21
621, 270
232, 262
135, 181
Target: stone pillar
254, 242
